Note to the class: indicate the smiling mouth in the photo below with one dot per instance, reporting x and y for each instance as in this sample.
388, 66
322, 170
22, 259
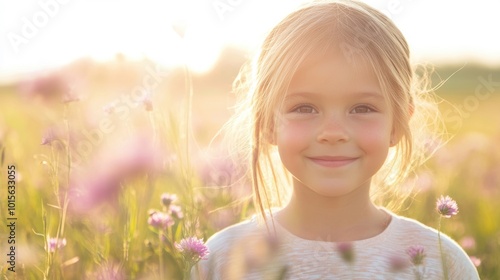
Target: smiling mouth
328, 161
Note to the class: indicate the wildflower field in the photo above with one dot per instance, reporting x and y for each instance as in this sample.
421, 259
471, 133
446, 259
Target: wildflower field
114, 171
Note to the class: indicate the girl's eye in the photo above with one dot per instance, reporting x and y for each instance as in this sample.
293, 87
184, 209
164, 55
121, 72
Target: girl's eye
363, 109
304, 109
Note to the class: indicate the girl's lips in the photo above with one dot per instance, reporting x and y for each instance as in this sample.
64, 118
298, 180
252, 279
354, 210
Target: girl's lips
329, 161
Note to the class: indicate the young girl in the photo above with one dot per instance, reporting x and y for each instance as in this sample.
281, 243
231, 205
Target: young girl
337, 123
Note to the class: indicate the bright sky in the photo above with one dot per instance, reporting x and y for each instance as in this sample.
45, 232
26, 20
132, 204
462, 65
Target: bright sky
42, 34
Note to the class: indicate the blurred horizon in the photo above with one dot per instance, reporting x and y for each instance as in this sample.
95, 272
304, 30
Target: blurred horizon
229, 55
49, 34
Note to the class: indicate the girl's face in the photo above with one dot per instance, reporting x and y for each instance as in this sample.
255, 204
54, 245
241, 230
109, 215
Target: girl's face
334, 130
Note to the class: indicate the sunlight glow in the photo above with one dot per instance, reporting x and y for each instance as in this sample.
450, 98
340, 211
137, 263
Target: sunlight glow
45, 34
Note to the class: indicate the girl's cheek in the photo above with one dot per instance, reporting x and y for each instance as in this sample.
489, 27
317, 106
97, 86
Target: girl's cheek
375, 131
294, 131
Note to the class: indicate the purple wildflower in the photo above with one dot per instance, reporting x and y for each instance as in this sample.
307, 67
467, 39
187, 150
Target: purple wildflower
167, 199
193, 249
102, 181
446, 206
70, 96
50, 135
417, 254
56, 86
160, 220
475, 260
468, 243
176, 211
55, 243
218, 172
46, 88
398, 263
346, 250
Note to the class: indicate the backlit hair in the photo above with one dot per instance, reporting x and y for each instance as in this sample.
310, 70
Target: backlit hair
358, 31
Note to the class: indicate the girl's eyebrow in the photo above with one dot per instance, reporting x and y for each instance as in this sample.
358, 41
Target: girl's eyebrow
359, 94
369, 94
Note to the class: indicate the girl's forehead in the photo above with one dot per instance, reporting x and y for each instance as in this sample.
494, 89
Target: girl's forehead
336, 62
333, 70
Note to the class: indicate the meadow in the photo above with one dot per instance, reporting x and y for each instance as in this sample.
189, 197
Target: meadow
115, 163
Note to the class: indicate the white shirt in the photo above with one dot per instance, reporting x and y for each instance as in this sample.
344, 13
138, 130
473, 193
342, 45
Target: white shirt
247, 251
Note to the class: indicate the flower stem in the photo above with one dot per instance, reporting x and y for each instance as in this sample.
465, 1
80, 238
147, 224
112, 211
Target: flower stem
187, 271
160, 253
443, 257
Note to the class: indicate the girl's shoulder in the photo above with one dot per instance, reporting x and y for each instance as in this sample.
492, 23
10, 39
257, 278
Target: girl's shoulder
409, 232
231, 248
412, 229
413, 232
233, 234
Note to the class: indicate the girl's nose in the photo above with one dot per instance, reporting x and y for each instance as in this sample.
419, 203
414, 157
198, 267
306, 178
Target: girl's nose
333, 130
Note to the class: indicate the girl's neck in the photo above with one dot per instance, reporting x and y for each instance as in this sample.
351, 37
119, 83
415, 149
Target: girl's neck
346, 218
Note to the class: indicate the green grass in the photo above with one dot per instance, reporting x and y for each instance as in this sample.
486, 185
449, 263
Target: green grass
115, 237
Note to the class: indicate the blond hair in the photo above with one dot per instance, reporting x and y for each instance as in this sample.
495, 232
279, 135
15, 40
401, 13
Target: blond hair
359, 31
